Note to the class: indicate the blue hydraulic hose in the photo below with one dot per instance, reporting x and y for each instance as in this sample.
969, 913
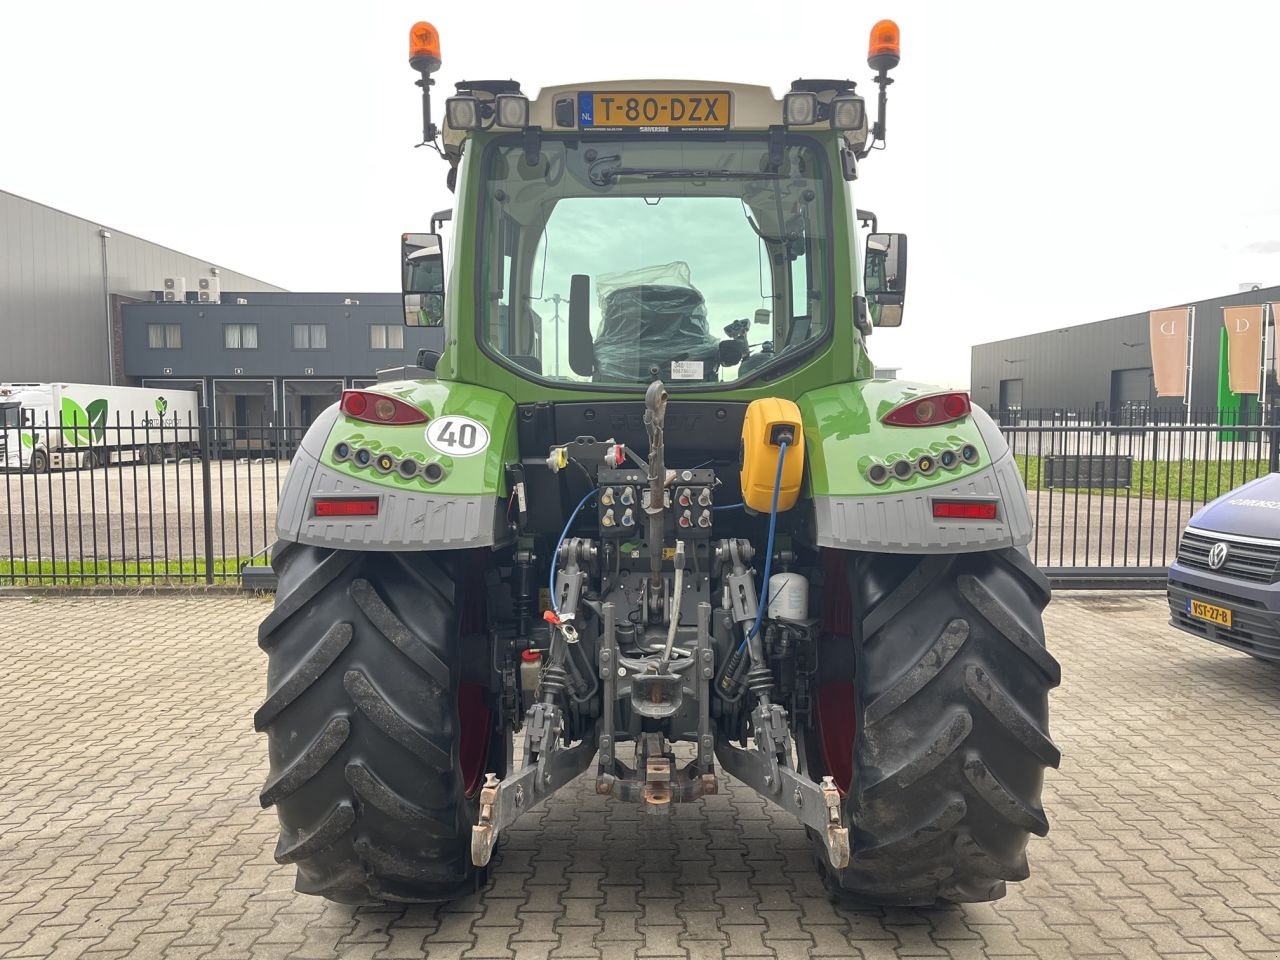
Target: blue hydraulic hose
551, 584
768, 556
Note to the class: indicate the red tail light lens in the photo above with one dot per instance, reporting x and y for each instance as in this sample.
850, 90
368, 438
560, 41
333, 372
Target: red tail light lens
929, 411
346, 507
964, 509
379, 408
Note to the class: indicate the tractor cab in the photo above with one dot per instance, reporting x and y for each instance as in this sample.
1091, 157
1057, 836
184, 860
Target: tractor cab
694, 232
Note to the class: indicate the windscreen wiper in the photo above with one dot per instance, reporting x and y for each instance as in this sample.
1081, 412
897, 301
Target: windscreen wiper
604, 177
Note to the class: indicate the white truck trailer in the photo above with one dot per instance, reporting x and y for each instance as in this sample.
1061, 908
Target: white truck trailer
75, 425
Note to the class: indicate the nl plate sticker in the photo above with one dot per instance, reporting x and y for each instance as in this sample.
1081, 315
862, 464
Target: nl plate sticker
686, 369
457, 436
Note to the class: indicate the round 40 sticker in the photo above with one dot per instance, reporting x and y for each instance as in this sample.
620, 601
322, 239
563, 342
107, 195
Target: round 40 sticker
457, 436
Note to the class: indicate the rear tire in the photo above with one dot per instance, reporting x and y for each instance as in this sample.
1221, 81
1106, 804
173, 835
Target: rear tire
39, 461
376, 745
950, 708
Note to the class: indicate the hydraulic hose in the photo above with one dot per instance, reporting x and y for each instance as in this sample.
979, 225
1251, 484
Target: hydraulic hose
676, 595
768, 555
555, 557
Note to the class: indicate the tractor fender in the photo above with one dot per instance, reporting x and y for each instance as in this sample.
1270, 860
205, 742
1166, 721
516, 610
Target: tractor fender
450, 495
845, 437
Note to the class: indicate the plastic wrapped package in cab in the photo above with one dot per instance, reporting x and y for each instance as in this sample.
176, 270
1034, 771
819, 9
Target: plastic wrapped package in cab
654, 323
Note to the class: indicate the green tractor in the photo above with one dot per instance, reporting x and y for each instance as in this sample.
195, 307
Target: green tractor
649, 516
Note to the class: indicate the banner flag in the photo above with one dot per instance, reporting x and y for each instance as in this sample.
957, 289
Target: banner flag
1169, 350
1244, 327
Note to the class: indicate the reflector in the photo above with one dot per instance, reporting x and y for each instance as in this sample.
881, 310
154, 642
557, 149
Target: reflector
345, 506
964, 509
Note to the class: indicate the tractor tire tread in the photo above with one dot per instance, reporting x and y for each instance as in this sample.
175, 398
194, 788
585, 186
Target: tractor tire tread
308, 670
308, 763
951, 747
361, 718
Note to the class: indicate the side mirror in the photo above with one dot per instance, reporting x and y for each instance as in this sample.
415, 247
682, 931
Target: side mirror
422, 279
884, 277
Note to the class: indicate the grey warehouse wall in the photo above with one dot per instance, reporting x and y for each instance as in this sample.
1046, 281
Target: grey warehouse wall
53, 301
1070, 368
347, 351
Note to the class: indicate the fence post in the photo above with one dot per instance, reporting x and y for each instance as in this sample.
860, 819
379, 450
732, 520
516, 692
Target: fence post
1273, 464
206, 481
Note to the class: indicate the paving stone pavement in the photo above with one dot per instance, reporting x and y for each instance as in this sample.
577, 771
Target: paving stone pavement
129, 825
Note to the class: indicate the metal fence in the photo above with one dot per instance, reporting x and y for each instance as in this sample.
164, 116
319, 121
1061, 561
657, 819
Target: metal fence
1109, 500
138, 504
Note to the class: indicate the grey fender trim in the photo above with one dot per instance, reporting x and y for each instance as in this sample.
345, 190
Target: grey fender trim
904, 522
997, 446
313, 441
405, 521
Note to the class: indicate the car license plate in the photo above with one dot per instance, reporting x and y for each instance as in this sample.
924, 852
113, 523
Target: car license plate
1207, 611
624, 109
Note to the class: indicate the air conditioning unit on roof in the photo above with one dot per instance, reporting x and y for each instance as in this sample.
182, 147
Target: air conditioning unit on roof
210, 290
175, 289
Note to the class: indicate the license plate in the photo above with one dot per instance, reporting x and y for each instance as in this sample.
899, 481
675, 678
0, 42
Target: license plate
629, 110
1207, 611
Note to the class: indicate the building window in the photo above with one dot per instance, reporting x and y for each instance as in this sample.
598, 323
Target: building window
240, 336
309, 336
164, 336
386, 336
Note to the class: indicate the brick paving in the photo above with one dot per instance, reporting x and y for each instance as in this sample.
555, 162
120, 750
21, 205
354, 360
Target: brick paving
129, 825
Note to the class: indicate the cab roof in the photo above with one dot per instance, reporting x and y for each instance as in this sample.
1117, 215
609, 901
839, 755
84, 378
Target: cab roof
751, 106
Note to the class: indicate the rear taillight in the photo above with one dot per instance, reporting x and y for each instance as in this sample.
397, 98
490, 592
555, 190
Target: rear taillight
964, 509
345, 506
929, 411
379, 408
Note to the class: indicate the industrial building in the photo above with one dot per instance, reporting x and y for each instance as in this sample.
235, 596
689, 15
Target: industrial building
62, 282
81, 302
1104, 369
269, 358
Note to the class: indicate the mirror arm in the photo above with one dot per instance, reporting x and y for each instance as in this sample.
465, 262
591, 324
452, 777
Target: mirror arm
777, 144
860, 318
532, 145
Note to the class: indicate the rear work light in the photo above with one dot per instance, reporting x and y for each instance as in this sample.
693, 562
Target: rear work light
379, 408
964, 509
345, 506
929, 411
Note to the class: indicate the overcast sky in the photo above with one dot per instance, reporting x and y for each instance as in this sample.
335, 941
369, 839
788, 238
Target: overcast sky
1052, 163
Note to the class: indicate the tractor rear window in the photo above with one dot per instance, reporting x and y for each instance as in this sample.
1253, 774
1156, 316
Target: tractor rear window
615, 262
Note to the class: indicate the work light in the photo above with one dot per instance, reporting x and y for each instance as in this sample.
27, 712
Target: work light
463, 113
512, 111
799, 109
848, 112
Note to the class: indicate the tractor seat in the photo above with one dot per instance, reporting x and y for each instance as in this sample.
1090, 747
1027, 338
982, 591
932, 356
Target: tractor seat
652, 325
